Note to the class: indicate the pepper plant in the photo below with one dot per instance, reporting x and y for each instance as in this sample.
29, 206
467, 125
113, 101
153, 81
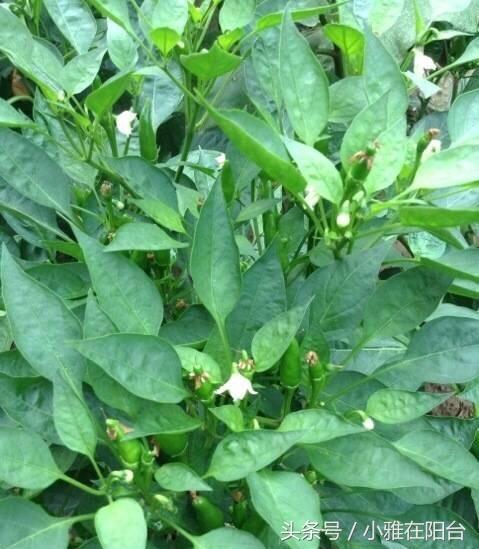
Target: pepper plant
239, 273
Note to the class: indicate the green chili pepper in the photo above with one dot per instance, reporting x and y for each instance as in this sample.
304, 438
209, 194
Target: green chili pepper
208, 515
239, 513
290, 366
130, 452
172, 444
253, 523
148, 147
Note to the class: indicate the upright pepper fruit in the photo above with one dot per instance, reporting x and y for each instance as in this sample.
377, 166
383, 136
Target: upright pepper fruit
208, 515
290, 366
172, 444
129, 451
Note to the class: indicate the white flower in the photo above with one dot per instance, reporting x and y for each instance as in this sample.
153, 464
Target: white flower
237, 386
220, 160
434, 147
124, 122
311, 196
368, 424
422, 63
61, 95
126, 475
343, 220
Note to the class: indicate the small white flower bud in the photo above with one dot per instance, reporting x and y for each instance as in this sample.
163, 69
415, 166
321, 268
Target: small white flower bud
124, 122
433, 148
368, 424
220, 160
343, 220
311, 196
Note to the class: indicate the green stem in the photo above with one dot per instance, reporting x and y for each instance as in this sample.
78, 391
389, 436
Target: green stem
226, 345
288, 400
82, 486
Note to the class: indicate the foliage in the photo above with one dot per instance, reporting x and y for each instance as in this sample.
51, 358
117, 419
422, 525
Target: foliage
240, 278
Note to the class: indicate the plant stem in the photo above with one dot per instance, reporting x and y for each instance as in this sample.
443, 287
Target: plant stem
82, 486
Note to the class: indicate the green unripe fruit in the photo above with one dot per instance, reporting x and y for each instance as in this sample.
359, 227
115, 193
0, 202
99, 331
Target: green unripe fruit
172, 444
130, 452
208, 515
290, 366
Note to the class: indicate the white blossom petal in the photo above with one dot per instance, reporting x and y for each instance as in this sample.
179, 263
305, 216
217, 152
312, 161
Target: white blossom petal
124, 122
237, 386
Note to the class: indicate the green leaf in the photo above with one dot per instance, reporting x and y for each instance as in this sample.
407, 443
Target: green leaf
34, 528
28, 401
382, 75
42, 325
214, 263
318, 426
343, 288
255, 209
471, 53
142, 236
80, 72
318, 171
366, 460
463, 117
384, 14
263, 297
74, 20
259, 143
450, 168
240, 454
351, 42
348, 99
212, 63
13, 118
162, 214
273, 338
226, 537
377, 123
18, 205
145, 180
178, 477
304, 83
282, 497
461, 263
152, 418
145, 365
165, 39
236, 15
12, 364
191, 358
26, 460
443, 351
30, 171
275, 18
122, 49
73, 420
103, 98
121, 524
231, 416
431, 217
128, 296
168, 21
441, 455
192, 328
116, 10
402, 302
395, 406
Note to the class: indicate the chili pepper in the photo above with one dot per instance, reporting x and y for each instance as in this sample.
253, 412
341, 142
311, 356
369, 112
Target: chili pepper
129, 451
239, 513
290, 366
270, 221
208, 515
203, 387
253, 523
148, 147
172, 444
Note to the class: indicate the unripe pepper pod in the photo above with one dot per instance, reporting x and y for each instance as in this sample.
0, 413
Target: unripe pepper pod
208, 515
129, 451
202, 385
148, 147
172, 444
290, 366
